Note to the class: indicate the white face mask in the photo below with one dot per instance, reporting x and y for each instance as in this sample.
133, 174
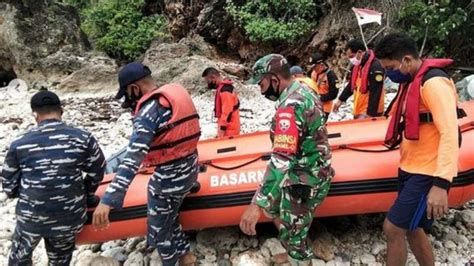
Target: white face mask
354, 61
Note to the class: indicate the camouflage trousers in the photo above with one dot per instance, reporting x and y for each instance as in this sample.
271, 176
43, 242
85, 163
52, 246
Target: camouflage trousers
294, 207
59, 249
165, 233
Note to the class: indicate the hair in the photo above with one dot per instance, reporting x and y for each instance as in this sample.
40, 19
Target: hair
395, 46
355, 45
210, 71
318, 57
47, 109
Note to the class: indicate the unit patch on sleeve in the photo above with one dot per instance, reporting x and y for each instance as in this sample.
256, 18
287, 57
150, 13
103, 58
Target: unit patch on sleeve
286, 131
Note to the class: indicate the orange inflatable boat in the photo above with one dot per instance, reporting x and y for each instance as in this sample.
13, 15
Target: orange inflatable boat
231, 169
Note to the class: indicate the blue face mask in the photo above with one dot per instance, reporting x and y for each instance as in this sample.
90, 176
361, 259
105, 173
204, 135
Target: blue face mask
397, 76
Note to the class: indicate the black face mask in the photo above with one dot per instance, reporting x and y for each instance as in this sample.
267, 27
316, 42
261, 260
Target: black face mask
272, 93
132, 100
212, 85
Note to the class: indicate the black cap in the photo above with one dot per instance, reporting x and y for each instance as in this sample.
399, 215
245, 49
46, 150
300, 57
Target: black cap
316, 58
45, 98
129, 74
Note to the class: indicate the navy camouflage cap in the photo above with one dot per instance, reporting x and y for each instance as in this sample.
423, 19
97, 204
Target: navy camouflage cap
272, 63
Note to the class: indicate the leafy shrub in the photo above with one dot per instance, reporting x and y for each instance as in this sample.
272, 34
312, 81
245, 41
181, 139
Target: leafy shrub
437, 20
275, 20
120, 29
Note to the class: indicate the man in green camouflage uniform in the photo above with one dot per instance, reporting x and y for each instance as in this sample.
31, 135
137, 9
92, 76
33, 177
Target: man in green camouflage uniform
299, 173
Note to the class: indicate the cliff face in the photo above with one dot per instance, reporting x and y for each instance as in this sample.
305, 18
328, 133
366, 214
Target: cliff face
42, 43
32, 32
210, 20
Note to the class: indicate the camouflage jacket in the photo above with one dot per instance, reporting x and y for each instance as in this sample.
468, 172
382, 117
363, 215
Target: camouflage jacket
174, 177
301, 152
44, 168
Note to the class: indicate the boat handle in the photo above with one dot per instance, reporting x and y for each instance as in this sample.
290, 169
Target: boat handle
228, 149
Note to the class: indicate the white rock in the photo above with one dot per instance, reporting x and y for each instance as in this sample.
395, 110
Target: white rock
131, 243
205, 250
367, 258
102, 261
249, 258
317, 262
117, 253
6, 234
3, 197
455, 237
111, 244
274, 245
135, 259
465, 216
377, 248
141, 246
155, 259
450, 244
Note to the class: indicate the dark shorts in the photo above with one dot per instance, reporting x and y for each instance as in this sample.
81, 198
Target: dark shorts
409, 210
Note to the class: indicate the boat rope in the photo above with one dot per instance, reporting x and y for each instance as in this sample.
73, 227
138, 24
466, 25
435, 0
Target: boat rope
342, 147
263, 157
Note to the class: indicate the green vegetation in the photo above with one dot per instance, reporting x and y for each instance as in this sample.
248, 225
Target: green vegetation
275, 20
437, 21
118, 27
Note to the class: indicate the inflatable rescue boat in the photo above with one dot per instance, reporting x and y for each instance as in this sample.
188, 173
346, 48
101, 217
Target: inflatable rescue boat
231, 169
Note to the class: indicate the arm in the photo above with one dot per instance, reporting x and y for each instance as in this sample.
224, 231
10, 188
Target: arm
11, 173
438, 96
440, 100
94, 167
375, 88
332, 93
285, 149
148, 120
346, 93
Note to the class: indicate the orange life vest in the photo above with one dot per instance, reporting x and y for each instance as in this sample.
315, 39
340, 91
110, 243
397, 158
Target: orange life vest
217, 99
179, 137
322, 82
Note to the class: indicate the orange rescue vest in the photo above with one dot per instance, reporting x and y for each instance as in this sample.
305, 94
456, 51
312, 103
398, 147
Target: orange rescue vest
322, 82
179, 137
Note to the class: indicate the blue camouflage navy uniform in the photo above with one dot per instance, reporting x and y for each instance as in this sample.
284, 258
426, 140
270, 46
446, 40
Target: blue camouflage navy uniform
54, 170
167, 187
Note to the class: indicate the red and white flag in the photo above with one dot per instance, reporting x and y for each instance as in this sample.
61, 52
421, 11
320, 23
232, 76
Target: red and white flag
366, 16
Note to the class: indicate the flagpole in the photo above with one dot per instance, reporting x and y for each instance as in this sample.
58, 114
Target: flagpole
363, 38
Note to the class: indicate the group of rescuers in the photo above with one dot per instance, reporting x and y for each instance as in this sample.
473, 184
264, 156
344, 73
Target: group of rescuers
54, 169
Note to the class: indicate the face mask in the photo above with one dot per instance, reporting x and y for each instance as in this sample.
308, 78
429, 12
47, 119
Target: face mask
272, 93
212, 85
397, 76
354, 61
132, 100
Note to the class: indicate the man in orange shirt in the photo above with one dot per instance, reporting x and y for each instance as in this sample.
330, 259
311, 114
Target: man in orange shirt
326, 81
226, 104
366, 82
424, 121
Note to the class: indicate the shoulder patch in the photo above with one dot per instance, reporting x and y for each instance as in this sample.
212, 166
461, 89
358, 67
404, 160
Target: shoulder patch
286, 131
378, 77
